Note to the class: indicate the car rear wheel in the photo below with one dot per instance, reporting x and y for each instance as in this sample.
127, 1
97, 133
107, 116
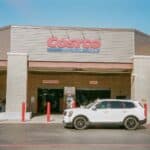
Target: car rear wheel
80, 123
131, 123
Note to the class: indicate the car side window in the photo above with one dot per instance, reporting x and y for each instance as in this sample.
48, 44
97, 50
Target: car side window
129, 105
103, 105
116, 105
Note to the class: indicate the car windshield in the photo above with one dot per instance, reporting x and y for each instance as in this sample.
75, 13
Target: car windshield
89, 105
92, 103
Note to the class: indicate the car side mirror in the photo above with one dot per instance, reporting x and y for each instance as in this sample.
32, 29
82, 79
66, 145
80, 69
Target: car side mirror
94, 108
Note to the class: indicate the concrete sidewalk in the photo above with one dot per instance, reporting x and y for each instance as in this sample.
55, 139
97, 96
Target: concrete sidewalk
55, 118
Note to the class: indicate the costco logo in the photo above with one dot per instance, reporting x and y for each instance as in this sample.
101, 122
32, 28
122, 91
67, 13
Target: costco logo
73, 45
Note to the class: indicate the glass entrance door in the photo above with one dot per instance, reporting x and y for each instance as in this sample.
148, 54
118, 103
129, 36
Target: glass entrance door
54, 96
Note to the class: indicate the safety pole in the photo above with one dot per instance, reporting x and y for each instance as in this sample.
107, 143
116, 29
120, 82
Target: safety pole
74, 104
23, 111
145, 110
48, 111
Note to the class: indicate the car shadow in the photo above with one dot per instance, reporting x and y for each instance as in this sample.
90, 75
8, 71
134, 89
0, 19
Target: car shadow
105, 127
109, 127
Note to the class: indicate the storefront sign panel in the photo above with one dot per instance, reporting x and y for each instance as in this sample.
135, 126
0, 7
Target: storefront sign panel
73, 45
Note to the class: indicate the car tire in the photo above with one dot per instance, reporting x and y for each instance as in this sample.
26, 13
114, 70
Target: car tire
131, 123
80, 123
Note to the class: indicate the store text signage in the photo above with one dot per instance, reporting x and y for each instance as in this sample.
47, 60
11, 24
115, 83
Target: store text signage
73, 45
93, 82
50, 81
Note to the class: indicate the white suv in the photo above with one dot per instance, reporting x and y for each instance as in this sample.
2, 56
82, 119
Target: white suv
107, 111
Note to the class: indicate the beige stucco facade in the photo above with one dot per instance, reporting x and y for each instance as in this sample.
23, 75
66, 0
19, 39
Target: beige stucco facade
16, 81
117, 66
141, 78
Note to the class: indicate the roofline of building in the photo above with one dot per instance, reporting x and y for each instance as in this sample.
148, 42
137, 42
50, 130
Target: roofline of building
5, 27
75, 28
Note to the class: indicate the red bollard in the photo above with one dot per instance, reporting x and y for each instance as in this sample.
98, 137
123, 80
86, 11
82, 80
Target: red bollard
145, 110
23, 111
74, 104
48, 111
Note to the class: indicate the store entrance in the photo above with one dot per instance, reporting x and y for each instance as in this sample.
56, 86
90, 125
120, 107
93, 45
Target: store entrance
54, 96
86, 96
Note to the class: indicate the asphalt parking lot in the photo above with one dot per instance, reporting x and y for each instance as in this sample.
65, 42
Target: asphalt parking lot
54, 136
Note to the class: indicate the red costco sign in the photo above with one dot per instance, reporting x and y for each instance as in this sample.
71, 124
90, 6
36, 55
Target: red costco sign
54, 42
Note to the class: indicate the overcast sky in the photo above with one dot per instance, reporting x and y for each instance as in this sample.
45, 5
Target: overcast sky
84, 13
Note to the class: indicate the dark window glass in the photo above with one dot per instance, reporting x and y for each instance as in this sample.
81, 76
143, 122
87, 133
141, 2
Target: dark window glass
103, 105
129, 105
116, 104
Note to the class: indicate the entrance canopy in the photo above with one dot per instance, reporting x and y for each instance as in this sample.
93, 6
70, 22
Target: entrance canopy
81, 67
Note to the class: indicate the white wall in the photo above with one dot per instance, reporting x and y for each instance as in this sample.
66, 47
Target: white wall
140, 81
16, 81
116, 45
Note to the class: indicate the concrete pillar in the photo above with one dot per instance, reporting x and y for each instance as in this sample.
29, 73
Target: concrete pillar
17, 71
140, 79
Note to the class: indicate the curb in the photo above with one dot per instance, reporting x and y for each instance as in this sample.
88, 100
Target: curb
52, 121
26, 122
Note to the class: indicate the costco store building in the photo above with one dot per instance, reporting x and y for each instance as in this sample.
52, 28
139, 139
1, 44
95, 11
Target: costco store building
55, 64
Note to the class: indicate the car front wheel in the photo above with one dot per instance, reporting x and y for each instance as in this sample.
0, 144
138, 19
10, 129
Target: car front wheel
131, 123
80, 123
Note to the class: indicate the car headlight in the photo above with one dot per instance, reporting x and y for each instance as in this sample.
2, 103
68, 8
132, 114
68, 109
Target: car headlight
70, 113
